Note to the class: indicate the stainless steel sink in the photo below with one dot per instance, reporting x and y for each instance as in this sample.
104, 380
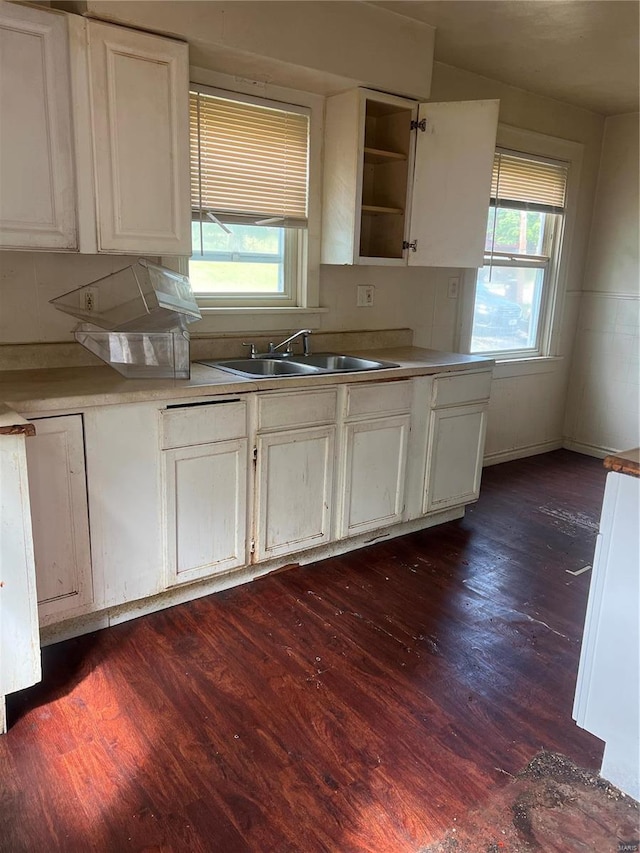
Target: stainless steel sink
295, 365
337, 363
262, 367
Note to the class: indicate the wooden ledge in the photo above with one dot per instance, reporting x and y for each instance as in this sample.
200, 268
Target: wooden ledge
625, 462
11, 423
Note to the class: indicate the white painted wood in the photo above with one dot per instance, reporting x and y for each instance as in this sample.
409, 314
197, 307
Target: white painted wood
139, 98
19, 634
460, 389
37, 199
374, 475
608, 686
446, 176
187, 425
59, 517
377, 397
125, 505
452, 183
304, 408
87, 223
294, 484
454, 456
346, 176
344, 128
206, 509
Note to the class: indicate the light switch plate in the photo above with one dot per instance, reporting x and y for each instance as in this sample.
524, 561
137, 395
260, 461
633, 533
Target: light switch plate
365, 295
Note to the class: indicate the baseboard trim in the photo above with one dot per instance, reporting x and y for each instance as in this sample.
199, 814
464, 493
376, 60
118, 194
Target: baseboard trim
521, 452
587, 449
110, 616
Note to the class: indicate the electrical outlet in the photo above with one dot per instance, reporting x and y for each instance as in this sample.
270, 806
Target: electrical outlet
453, 289
90, 300
365, 295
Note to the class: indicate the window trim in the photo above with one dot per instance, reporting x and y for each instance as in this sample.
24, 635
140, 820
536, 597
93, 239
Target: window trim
241, 317
554, 148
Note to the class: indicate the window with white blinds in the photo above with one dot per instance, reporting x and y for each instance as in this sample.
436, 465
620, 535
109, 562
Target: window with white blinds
524, 182
249, 161
249, 199
514, 293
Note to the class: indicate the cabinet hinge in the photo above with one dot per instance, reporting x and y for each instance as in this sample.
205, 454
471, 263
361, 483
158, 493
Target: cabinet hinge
255, 454
419, 125
252, 547
413, 246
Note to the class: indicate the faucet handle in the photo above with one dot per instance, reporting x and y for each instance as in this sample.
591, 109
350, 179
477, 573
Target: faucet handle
305, 342
252, 350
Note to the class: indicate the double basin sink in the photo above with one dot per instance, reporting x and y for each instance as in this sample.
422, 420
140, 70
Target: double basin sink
295, 365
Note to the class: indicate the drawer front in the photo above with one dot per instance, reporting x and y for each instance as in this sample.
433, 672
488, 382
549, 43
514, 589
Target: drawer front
379, 398
188, 425
305, 408
458, 390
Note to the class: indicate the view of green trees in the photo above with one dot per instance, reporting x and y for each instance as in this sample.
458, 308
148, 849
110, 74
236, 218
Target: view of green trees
518, 231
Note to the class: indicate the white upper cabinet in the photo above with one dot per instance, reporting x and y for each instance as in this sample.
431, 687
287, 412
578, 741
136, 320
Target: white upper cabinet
37, 195
94, 137
406, 183
139, 107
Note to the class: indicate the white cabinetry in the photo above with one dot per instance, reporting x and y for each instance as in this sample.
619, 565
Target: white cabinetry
140, 123
37, 197
60, 521
455, 440
205, 489
406, 183
94, 141
374, 457
294, 472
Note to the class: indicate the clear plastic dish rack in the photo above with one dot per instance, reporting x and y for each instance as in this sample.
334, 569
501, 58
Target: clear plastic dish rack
135, 320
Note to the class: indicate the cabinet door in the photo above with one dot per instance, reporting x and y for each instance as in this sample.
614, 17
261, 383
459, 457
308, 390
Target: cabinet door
454, 456
60, 520
294, 488
452, 183
37, 201
205, 509
139, 103
375, 462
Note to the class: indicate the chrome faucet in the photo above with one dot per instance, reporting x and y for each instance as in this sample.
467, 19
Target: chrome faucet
287, 342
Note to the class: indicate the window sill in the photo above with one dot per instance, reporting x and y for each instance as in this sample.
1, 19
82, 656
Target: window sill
511, 367
248, 320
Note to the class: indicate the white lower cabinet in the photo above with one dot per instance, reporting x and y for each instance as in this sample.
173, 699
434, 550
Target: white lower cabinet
372, 490
60, 520
374, 474
294, 486
204, 489
455, 441
192, 490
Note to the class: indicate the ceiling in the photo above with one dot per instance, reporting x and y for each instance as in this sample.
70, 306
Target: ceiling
583, 52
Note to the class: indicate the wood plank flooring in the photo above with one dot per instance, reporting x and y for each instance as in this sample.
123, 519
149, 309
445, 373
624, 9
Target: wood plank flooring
364, 703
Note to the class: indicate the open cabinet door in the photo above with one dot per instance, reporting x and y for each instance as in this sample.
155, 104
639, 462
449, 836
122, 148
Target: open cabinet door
452, 183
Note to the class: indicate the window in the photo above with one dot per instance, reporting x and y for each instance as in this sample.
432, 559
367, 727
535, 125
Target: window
515, 287
249, 198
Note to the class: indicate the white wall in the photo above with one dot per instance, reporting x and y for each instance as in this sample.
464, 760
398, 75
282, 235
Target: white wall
604, 402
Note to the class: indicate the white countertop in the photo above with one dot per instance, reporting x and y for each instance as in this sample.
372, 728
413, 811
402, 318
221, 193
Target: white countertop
30, 391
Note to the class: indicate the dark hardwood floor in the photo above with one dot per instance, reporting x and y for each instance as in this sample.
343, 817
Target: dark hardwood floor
364, 703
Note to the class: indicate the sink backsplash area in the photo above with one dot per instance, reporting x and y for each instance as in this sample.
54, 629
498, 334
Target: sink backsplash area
34, 356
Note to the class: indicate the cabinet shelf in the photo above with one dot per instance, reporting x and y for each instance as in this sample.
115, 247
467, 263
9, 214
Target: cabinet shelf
378, 210
377, 156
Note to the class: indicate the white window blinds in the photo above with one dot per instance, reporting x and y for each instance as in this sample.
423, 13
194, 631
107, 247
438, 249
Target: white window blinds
249, 161
524, 182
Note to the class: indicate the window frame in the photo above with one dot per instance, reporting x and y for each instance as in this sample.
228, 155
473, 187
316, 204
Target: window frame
302, 264
535, 144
